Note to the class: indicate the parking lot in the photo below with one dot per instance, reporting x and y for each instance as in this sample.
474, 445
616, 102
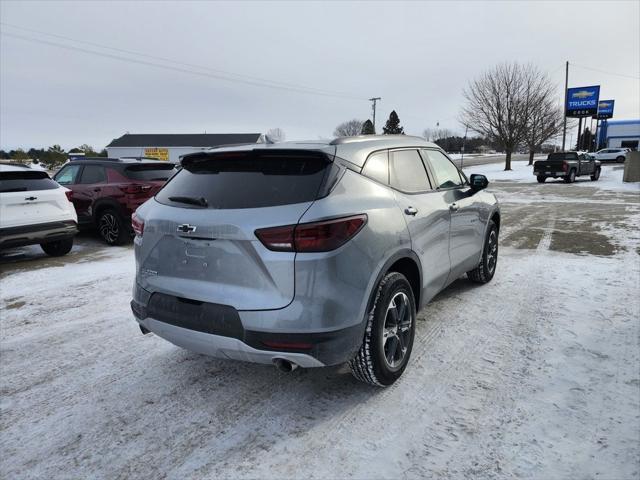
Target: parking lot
534, 375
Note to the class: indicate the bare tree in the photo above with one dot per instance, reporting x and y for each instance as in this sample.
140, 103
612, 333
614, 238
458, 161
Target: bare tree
350, 128
276, 135
500, 103
545, 123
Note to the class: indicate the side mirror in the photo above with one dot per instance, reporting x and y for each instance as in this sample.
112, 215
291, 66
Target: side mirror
478, 182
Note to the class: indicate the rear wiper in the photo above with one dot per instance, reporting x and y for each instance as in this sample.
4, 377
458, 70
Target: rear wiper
200, 202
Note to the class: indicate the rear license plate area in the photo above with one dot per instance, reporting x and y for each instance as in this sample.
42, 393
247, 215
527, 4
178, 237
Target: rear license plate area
203, 317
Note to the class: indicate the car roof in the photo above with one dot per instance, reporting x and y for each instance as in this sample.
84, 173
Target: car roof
13, 167
352, 149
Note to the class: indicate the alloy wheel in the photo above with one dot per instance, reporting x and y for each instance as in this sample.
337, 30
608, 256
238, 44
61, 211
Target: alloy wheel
108, 227
396, 333
492, 251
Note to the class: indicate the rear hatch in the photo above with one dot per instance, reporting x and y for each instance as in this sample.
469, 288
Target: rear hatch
29, 197
199, 241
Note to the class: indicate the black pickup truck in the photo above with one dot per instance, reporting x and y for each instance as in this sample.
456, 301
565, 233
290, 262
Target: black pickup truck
567, 165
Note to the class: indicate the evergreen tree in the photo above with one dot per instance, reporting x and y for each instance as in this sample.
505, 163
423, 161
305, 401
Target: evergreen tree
367, 128
392, 127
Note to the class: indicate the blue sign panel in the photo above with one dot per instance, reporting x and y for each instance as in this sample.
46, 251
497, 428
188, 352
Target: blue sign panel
605, 109
583, 101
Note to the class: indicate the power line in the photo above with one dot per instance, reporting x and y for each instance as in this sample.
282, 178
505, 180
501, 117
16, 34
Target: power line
170, 60
606, 72
226, 77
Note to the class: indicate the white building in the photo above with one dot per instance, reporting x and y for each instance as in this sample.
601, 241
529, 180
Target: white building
619, 134
170, 147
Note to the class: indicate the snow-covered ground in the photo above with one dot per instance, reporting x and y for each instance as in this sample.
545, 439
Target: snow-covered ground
534, 375
522, 172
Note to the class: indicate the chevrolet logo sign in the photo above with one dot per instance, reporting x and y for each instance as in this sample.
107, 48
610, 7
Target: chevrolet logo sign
186, 228
603, 105
583, 94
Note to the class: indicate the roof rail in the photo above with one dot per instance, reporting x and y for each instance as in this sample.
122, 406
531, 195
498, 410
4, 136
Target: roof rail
373, 138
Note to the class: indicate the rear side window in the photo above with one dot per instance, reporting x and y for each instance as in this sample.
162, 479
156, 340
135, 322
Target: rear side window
150, 172
26, 181
93, 174
377, 167
246, 180
406, 171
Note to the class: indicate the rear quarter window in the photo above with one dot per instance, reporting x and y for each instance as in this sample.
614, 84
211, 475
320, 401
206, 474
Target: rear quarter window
247, 180
27, 181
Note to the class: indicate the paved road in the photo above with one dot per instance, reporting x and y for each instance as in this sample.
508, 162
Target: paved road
531, 376
470, 161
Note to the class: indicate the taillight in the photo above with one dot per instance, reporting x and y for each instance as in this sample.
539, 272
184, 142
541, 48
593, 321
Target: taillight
137, 224
69, 194
565, 166
312, 237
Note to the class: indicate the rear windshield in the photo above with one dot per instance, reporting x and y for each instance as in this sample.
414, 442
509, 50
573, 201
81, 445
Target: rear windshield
563, 156
26, 181
245, 180
150, 172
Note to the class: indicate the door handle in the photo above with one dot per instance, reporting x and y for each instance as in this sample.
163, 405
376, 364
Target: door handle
454, 207
411, 211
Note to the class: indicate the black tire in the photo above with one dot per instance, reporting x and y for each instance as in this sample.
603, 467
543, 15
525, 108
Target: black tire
571, 177
595, 175
541, 178
57, 248
112, 227
485, 271
620, 159
378, 362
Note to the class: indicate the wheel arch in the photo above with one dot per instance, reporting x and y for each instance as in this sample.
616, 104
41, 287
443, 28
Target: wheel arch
408, 264
104, 204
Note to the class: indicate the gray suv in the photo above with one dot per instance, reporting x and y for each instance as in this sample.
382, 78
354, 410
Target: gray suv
310, 254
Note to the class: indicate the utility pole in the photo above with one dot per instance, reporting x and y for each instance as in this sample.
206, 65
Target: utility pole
373, 107
566, 86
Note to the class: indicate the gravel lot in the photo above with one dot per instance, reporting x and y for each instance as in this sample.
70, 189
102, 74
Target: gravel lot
535, 375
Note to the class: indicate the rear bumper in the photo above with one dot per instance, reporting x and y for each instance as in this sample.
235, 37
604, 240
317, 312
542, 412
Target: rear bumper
218, 330
223, 347
39, 233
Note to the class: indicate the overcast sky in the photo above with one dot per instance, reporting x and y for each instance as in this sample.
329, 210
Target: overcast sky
416, 56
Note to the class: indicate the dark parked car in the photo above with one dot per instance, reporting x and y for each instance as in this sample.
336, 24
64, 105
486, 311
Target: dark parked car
567, 165
106, 191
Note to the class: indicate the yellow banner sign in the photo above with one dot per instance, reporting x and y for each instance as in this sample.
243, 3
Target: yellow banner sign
158, 153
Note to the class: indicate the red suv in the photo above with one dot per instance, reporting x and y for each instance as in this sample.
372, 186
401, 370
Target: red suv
106, 191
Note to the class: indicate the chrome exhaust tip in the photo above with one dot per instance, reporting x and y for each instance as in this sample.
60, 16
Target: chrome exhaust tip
284, 365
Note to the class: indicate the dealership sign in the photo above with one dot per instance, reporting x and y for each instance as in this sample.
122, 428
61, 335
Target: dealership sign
157, 153
583, 101
605, 109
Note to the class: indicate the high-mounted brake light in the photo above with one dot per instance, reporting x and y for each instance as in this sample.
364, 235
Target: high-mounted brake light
321, 236
137, 224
